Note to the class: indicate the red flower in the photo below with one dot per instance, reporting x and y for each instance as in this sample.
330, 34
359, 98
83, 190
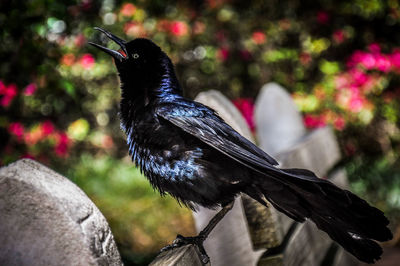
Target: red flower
8, 93
16, 129
62, 146
128, 9
339, 123
395, 58
313, 121
87, 61
179, 28
30, 89
323, 17
258, 37
223, 54
359, 77
367, 61
305, 58
47, 128
374, 48
338, 36
383, 63
246, 107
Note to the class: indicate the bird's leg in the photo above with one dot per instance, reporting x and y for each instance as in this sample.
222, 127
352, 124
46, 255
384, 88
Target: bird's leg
215, 220
199, 239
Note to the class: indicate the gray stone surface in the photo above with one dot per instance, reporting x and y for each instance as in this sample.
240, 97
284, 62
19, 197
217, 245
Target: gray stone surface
279, 123
47, 220
229, 243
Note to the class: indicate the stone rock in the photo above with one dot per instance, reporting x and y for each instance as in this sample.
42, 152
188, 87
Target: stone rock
45, 219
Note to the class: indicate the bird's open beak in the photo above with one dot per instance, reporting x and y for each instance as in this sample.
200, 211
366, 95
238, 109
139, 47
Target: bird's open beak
117, 55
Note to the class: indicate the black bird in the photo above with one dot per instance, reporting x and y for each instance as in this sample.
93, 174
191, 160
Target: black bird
186, 150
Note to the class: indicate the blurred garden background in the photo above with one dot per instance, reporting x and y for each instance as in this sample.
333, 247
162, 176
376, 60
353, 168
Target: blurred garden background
340, 59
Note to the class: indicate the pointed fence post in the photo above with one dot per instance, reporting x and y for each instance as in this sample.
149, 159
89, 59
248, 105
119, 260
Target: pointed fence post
281, 133
229, 243
249, 228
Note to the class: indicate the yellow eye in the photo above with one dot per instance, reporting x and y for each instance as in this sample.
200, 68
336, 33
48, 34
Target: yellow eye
135, 56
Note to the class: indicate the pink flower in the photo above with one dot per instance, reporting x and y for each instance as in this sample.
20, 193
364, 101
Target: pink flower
323, 17
32, 137
30, 89
246, 107
367, 61
128, 9
374, 48
179, 28
339, 123
356, 103
395, 58
16, 129
338, 36
47, 128
223, 54
313, 121
62, 145
355, 58
382, 63
87, 61
258, 37
341, 81
8, 93
358, 76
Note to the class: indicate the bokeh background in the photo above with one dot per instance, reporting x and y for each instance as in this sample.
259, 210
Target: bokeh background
340, 59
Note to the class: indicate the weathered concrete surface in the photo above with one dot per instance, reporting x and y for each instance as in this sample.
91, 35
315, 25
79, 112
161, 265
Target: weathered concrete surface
47, 220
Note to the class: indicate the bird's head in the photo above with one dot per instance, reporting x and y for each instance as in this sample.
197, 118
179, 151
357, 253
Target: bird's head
140, 61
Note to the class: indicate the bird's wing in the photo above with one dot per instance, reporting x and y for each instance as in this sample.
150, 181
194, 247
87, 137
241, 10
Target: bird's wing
203, 123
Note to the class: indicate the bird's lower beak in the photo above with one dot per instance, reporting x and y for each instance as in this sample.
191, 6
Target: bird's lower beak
117, 55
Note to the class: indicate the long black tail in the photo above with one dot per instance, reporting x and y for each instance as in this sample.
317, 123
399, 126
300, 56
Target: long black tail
346, 218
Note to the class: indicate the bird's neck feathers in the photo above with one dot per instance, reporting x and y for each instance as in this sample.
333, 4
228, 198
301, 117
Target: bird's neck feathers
159, 83
145, 88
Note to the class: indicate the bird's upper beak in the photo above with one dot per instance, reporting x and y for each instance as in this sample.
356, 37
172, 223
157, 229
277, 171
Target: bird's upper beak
117, 55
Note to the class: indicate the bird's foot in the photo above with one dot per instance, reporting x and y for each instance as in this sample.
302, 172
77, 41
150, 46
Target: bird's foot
194, 240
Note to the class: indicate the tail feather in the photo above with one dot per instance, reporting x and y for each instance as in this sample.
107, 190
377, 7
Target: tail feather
346, 218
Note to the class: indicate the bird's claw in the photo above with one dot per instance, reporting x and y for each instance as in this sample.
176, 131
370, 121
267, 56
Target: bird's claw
182, 241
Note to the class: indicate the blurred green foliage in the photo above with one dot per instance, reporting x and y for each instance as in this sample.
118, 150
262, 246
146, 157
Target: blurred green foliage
59, 96
141, 220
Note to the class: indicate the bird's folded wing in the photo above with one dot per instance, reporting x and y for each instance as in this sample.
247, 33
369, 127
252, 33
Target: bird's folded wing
206, 125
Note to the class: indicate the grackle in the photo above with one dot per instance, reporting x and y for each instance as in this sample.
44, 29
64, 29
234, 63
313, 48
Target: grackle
186, 150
